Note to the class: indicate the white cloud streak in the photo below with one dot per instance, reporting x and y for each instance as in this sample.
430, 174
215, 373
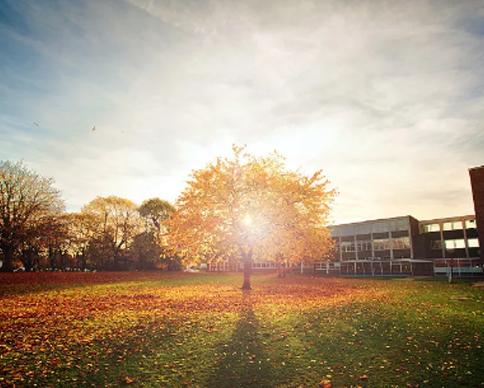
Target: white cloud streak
386, 97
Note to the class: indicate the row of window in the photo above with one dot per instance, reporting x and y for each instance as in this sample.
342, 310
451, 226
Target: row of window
372, 227
400, 224
378, 259
378, 245
450, 225
455, 243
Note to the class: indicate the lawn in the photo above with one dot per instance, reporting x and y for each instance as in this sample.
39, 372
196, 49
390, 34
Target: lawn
201, 330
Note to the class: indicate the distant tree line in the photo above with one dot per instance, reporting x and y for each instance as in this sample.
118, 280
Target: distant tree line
109, 233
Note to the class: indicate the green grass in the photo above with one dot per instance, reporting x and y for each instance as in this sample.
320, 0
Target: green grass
201, 330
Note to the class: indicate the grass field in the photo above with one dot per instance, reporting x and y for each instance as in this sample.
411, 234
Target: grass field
201, 330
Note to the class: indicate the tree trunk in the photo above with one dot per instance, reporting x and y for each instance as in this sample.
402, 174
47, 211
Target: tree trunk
247, 258
7, 265
115, 260
51, 258
28, 260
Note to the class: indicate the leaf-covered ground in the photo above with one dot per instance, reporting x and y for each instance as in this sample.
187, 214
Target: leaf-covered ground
201, 330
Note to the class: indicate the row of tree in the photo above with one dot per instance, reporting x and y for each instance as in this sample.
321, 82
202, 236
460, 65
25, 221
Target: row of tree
109, 233
239, 209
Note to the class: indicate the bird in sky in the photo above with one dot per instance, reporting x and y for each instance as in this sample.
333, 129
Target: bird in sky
37, 125
94, 128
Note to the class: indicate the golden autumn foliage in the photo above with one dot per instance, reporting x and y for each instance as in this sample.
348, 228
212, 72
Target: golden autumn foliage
251, 208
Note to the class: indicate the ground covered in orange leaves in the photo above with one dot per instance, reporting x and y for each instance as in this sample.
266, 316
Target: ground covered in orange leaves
200, 330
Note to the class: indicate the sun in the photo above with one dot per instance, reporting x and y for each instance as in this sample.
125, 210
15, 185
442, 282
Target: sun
248, 219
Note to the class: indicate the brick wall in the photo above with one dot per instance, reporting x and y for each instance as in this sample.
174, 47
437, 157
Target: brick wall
477, 184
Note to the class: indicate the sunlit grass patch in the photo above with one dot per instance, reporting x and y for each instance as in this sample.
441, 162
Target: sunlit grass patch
201, 330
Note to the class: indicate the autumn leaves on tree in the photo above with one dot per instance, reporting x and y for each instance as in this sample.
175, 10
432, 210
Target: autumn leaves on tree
251, 209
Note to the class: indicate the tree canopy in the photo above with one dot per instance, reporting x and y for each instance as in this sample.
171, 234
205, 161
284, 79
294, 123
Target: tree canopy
116, 223
251, 208
155, 211
27, 201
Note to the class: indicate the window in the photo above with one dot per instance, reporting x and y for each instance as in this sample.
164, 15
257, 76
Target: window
363, 229
455, 244
347, 246
470, 224
426, 228
401, 243
473, 243
436, 244
453, 225
335, 232
336, 246
347, 230
399, 225
364, 246
381, 244
380, 227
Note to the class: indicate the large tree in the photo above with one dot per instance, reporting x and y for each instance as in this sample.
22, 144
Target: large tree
116, 223
155, 212
81, 231
27, 200
253, 208
146, 247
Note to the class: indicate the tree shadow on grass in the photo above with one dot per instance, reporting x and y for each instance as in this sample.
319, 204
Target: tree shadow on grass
242, 362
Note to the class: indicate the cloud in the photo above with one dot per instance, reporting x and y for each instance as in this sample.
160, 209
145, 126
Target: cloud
386, 97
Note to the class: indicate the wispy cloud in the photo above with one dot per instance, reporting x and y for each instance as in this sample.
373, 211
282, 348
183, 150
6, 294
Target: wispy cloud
386, 97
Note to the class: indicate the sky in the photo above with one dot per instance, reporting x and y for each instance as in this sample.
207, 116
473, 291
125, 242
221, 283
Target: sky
386, 97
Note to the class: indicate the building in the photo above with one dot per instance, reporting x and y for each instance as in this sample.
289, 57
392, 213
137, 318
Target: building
477, 185
380, 247
451, 242
404, 246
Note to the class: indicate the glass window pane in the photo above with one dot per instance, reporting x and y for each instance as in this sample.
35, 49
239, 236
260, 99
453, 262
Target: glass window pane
456, 225
426, 228
402, 224
363, 229
381, 244
455, 244
473, 243
460, 244
380, 227
447, 226
347, 246
470, 224
347, 230
452, 225
398, 225
401, 243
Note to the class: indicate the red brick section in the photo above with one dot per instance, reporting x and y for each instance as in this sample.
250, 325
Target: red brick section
477, 184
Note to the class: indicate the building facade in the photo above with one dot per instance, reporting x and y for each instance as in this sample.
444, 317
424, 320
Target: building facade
379, 247
404, 246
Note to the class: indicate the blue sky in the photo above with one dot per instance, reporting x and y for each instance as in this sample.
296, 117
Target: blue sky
385, 96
